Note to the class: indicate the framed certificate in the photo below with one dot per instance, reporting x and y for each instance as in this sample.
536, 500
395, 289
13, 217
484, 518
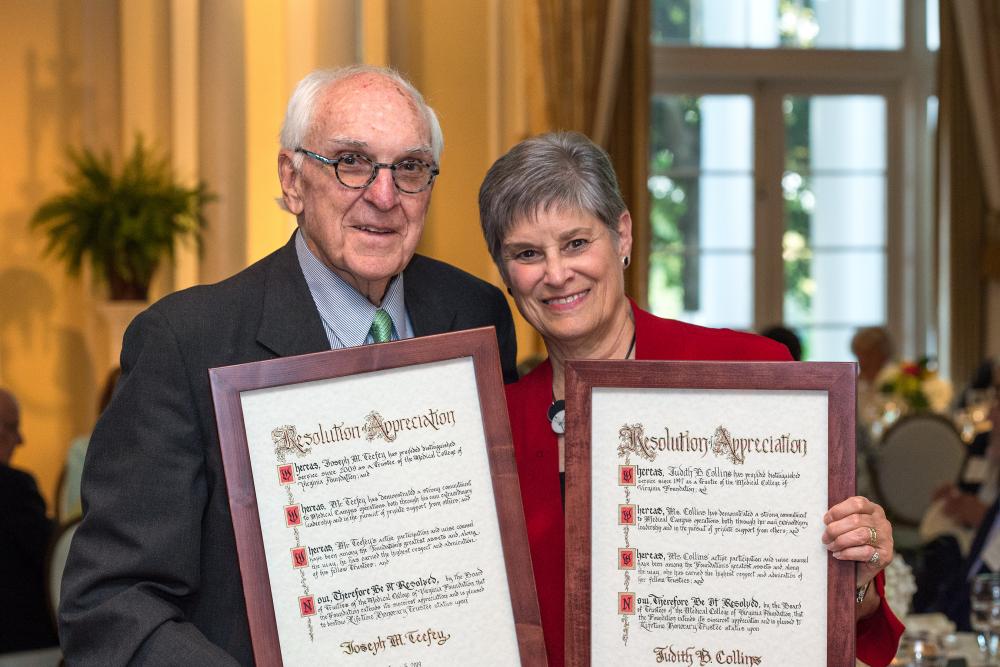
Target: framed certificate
695, 501
376, 506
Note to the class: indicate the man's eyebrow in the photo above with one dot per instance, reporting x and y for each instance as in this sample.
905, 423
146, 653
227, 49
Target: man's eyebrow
347, 141
422, 148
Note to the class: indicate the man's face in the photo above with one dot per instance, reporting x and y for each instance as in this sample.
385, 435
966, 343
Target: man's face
10, 428
365, 236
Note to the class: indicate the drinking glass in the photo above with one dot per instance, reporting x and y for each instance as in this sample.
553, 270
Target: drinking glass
979, 402
920, 649
985, 599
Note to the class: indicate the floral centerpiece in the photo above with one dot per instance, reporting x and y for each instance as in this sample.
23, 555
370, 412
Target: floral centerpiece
915, 385
900, 585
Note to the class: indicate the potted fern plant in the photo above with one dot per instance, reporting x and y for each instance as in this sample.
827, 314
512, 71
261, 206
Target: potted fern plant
125, 222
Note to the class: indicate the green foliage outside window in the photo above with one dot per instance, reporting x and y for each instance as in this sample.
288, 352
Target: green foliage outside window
796, 251
674, 172
673, 23
673, 187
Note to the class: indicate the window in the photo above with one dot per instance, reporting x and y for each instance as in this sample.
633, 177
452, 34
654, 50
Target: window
793, 188
834, 240
702, 186
826, 24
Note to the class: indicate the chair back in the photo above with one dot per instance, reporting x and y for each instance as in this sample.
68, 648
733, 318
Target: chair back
56, 563
915, 456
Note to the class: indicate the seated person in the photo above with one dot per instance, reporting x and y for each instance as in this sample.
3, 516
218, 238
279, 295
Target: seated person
959, 524
69, 507
25, 531
966, 500
874, 349
952, 596
986, 375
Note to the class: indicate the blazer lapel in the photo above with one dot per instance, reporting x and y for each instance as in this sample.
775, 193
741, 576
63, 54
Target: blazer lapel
429, 313
290, 323
979, 543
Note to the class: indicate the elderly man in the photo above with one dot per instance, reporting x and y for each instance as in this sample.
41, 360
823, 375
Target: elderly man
25, 622
152, 576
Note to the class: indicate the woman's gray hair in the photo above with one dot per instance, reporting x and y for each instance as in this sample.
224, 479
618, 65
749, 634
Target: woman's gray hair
298, 116
555, 170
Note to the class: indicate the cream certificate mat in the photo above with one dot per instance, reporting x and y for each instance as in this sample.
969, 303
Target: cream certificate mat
378, 519
707, 514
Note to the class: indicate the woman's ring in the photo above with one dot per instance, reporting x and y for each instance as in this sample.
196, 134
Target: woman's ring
872, 536
874, 560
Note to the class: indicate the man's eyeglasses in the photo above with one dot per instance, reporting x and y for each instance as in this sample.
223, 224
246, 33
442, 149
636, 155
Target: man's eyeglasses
357, 172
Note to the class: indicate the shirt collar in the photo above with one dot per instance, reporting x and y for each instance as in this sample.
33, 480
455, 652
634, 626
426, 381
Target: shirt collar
345, 312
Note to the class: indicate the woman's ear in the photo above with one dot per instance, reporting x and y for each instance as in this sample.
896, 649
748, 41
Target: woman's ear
625, 234
291, 183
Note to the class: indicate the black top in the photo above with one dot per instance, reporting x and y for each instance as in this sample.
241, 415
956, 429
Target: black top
24, 538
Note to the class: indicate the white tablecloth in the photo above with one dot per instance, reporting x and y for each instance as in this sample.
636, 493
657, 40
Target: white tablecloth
46, 657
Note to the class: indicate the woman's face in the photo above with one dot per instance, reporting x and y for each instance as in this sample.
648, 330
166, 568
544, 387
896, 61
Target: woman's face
564, 269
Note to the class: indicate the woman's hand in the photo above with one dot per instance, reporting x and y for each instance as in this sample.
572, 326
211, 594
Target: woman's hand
856, 529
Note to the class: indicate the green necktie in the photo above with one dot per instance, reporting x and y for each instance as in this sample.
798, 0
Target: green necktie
381, 331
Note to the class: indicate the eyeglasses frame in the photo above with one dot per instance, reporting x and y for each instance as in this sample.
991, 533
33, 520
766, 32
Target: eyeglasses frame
391, 166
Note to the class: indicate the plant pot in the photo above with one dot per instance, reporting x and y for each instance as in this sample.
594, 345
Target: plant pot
117, 315
120, 289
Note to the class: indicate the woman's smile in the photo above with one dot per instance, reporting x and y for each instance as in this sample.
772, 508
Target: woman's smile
566, 302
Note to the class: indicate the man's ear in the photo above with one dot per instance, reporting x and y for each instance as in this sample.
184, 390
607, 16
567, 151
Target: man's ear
625, 234
291, 183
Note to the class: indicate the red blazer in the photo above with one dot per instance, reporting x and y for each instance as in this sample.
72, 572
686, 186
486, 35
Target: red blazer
536, 450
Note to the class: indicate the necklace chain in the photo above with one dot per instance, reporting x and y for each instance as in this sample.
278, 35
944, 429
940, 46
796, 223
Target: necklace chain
557, 409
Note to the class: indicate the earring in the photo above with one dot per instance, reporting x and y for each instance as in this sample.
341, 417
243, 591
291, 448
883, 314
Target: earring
625, 261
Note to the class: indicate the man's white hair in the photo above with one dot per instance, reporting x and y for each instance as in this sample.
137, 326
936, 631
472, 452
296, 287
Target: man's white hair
299, 115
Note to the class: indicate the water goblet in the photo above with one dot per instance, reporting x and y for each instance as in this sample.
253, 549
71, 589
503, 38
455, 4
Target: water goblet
985, 601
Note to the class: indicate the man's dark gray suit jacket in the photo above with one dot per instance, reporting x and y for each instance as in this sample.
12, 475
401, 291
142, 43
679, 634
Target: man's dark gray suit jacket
153, 576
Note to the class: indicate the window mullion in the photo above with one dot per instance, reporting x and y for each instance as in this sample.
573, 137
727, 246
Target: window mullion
769, 143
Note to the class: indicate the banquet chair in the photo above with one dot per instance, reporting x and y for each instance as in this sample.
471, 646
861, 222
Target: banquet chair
55, 563
914, 457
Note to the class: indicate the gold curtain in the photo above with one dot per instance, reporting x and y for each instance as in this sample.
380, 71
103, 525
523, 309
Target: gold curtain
977, 25
968, 185
595, 66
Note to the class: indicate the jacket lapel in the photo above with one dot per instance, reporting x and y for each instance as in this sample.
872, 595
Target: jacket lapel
290, 323
428, 311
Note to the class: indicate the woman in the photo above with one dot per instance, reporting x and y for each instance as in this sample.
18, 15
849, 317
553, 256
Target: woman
558, 230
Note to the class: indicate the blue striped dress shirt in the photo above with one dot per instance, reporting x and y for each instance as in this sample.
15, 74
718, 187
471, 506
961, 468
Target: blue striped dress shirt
347, 315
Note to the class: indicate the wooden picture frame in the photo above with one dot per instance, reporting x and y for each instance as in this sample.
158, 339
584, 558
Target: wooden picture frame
390, 369
663, 380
